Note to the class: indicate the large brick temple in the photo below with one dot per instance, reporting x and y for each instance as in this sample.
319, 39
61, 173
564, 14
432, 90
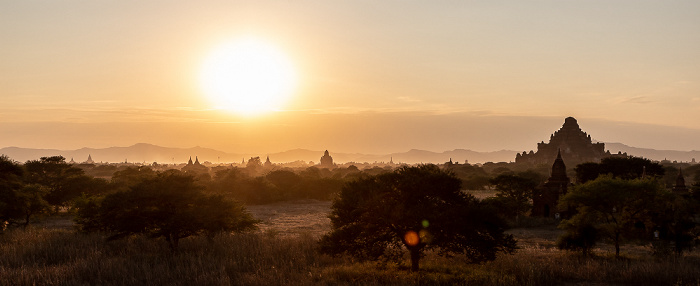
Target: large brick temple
576, 147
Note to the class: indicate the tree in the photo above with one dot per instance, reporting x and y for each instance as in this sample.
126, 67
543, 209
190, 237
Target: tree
29, 201
417, 209
131, 176
170, 205
618, 209
63, 181
18, 201
285, 180
515, 192
677, 222
254, 164
580, 235
627, 168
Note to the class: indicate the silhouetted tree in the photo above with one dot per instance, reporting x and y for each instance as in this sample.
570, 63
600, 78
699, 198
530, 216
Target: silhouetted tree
131, 176
10, 182
29, 201
416, 208
254, 164
618, 209
619, 167
285, 180
63, 181
580, 235
171, 205
18, 201
514, 192
678, 222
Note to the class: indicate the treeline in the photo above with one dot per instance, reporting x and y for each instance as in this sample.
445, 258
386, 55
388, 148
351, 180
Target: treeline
50, 185
618, 201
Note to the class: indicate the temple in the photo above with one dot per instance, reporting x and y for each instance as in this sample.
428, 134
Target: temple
195, 167
576, 147
546, 197
680, 187
327, 161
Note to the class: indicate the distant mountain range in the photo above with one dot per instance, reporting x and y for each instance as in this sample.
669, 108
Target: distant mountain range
653, 154
149, 153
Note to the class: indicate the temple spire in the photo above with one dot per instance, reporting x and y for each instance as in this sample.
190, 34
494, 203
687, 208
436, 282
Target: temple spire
559, 168
680, 183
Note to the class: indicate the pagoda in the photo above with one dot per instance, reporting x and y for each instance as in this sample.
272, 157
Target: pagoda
576, 147
327, 161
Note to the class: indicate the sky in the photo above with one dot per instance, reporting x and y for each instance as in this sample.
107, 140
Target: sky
371, 76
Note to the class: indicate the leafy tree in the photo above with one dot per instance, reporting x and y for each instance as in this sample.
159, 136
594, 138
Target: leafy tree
131, 176
677, 222
417, 209
254, 164
515, 192
170, 205
627, 168
18, 201
618, 209
63, 181
285, 180
29, 201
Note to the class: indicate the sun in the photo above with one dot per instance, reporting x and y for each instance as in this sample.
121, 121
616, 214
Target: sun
247, 76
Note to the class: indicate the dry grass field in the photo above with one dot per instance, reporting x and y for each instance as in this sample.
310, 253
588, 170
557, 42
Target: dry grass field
284, 252
309, 217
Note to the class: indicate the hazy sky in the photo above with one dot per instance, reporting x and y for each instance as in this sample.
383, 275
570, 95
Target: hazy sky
373, 76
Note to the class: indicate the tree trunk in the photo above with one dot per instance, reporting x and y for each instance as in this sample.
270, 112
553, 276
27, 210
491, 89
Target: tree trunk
617, 245
169, 239
415, 258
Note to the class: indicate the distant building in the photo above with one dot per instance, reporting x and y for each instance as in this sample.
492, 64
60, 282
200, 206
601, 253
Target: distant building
327, 161
195, 166
575, 145
680, 187
89, 160
267, 162
546, 197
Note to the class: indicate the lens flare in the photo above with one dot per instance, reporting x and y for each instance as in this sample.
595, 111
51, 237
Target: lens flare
411, 238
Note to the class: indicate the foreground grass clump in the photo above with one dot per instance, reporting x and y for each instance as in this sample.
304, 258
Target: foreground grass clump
63, 257
37, 256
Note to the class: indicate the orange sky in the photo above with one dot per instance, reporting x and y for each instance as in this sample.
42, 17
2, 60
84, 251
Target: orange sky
372, 77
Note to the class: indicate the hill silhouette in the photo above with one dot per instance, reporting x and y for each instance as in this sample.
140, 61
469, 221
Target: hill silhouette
149, 153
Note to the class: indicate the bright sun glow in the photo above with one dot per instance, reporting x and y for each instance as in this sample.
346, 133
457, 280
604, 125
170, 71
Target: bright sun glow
248, 77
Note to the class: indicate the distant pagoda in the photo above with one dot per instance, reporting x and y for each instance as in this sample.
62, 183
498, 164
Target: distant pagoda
327, 161
576, 147
546, 196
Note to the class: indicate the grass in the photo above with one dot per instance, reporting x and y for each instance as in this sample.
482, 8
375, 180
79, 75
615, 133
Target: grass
285, 254
63, 257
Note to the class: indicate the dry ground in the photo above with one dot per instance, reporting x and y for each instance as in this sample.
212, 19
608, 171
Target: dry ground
293, 218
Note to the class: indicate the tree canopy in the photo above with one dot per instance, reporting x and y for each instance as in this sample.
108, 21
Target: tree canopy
169, 205
63, 181
413, 208
619, 167
18, 201
617, 209
514, 193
